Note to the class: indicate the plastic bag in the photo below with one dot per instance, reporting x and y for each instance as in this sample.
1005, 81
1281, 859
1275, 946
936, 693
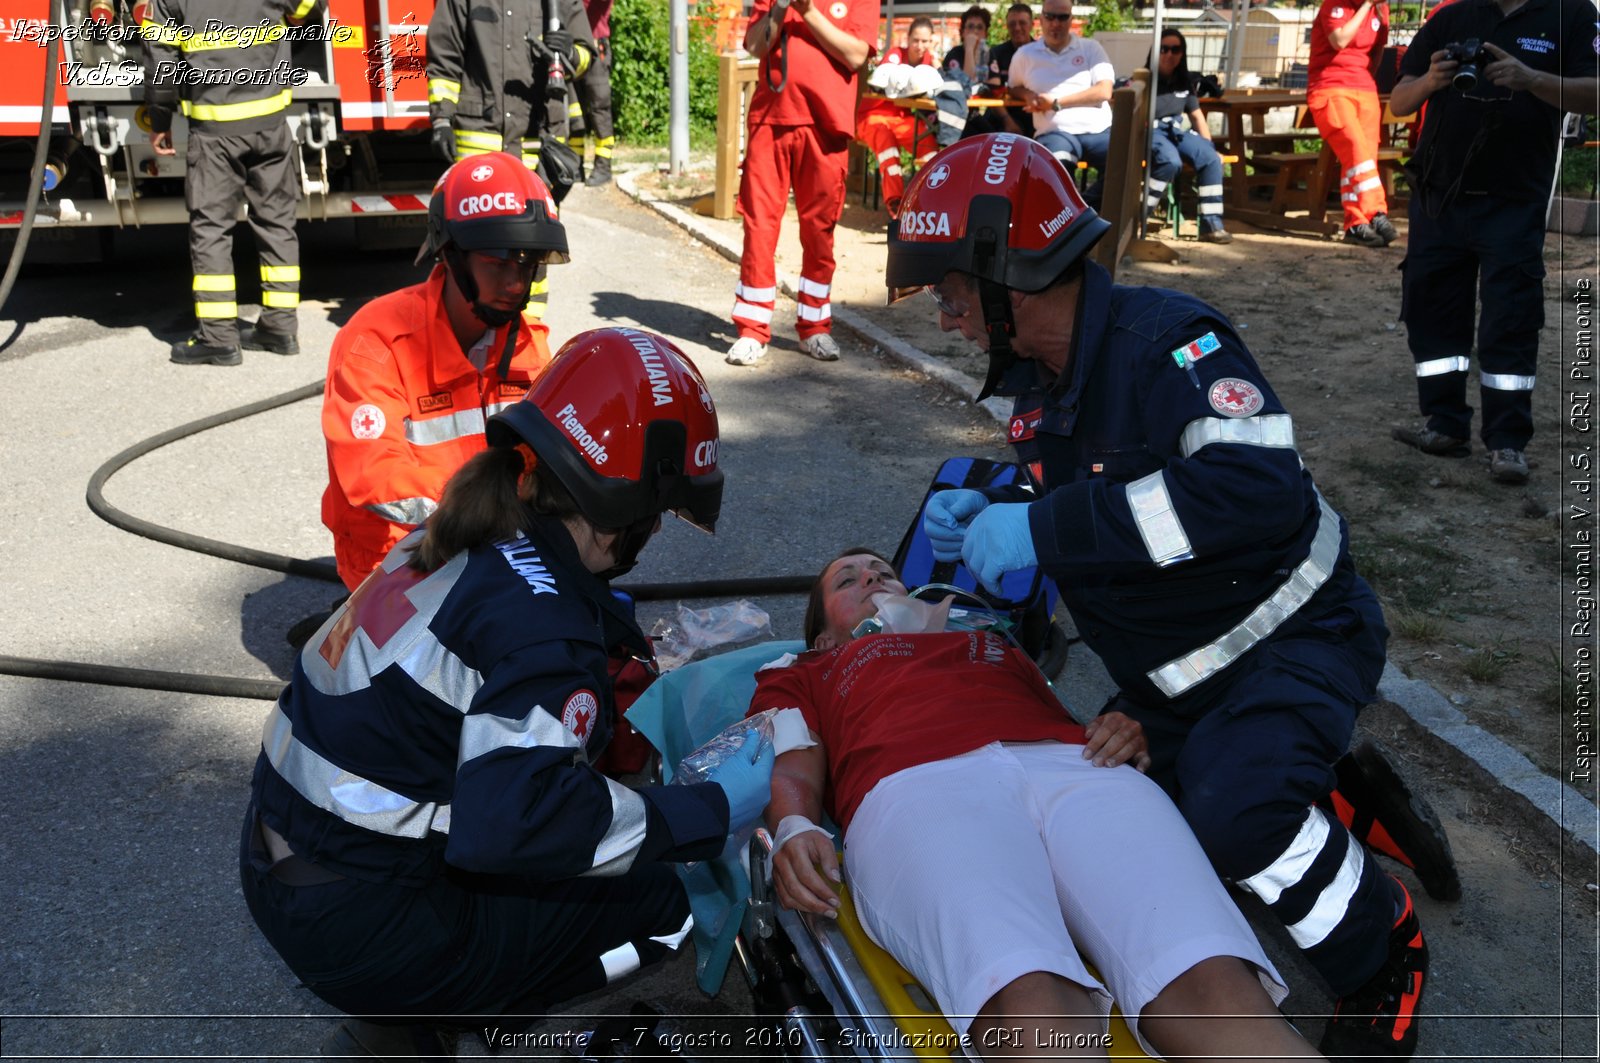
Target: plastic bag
698, 766
678, 641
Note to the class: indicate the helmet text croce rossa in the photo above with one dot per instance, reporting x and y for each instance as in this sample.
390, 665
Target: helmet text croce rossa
1001, 208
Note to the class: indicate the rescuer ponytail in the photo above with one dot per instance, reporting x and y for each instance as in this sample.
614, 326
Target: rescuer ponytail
486, 501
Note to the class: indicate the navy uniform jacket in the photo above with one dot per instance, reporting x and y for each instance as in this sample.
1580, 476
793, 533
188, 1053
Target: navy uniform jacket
451, 718
1177, 519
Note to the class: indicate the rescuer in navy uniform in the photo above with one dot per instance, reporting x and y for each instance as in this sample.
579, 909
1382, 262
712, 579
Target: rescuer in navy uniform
1195, 553
426, 835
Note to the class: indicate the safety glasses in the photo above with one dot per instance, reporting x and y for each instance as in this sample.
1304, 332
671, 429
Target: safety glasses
521, 256
945, 306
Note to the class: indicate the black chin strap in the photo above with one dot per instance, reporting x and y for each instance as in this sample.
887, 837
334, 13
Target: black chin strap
511, 343
456, 263
995, 299
630, 541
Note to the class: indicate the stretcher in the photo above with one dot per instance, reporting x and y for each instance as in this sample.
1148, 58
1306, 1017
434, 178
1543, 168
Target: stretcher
832, 992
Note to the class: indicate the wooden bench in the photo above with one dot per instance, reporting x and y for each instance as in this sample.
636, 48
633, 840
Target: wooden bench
1293, 169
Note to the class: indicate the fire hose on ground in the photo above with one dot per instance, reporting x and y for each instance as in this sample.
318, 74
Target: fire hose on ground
269, 689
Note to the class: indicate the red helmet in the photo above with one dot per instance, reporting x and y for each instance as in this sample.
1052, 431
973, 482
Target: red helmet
624, 420
493, 201
999, 207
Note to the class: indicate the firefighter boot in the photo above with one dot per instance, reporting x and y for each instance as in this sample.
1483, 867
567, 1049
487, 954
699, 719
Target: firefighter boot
361, 1039
1377, 806
260, 338
600, 173
1380, 1018
196, 351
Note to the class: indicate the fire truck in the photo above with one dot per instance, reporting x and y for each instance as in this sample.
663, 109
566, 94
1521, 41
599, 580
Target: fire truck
360, 117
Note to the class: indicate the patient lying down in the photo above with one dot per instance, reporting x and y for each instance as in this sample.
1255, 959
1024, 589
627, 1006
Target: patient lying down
986, 850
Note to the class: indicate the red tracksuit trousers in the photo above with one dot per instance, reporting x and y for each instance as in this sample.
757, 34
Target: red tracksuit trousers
777, 159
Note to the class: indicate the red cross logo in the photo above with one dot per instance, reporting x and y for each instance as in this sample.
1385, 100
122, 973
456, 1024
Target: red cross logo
579, 714
379, 607
1235, 398
367, 422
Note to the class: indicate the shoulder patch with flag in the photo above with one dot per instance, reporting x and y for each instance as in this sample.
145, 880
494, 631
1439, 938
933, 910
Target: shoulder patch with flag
1191, 353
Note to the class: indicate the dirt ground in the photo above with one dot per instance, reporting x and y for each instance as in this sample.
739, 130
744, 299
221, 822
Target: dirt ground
1469, 570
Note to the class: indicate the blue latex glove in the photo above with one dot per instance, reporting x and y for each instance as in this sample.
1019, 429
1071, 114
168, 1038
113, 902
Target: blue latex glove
746, 780
999, 541
945, 520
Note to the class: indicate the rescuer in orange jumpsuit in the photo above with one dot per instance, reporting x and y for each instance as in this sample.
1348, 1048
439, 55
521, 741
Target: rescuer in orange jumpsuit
887, 128
415, 374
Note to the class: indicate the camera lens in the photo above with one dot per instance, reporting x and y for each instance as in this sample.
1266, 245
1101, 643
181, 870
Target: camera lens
1466, 78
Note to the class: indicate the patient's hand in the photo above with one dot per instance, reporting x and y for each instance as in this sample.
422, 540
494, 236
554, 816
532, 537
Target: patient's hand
1115, 738
805, 871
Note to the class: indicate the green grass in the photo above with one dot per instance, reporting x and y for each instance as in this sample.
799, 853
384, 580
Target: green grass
1489, 663
1560, 688
1412, 574
1578, 167
1416, 625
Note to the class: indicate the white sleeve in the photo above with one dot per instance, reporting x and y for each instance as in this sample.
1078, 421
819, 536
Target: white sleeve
1100, 68
1017, 73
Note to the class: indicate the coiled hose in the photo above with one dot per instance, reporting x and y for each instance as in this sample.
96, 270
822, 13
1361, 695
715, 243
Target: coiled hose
269, 689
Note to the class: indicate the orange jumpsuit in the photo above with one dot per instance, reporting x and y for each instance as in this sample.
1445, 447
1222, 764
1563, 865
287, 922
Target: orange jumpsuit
1343, 98
885, 128
403, 409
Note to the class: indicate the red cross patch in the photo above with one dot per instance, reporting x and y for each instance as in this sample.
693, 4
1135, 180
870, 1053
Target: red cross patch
1233, 397
579, 713
379, 607
367, 422
1023, 424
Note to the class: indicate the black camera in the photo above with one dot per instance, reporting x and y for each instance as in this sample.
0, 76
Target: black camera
1470, 54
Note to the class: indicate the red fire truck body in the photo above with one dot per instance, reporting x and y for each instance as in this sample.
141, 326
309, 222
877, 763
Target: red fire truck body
361, 117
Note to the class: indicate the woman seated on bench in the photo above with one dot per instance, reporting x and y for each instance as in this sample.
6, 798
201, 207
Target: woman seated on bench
987, 847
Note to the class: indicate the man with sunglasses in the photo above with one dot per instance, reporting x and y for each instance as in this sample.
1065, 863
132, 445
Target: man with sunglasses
1198, 559
415, 374
1065, 82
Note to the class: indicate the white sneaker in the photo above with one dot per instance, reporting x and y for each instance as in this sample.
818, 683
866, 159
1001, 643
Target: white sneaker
746, 350
821, 347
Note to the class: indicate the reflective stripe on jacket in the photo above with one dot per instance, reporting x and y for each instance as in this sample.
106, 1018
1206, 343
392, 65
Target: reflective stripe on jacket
1178, 520
402, 411
452, 718
481, 70
225, 63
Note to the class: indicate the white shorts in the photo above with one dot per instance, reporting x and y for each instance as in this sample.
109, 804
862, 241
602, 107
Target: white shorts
978, 869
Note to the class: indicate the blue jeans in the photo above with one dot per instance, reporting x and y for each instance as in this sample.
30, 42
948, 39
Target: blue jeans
1169, 150
1070, 147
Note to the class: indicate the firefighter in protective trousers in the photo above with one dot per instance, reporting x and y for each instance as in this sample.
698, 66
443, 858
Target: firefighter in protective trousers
497, 78
415, 374
590, 109
1194, 551
225, 64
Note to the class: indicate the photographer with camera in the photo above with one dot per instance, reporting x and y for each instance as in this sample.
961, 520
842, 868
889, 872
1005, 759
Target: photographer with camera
1496, 76
1342, 94
494, 80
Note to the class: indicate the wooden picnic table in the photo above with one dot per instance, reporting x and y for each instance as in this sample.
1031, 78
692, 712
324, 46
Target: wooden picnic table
1277, 166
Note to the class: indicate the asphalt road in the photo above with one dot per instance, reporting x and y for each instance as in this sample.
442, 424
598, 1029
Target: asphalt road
120, 808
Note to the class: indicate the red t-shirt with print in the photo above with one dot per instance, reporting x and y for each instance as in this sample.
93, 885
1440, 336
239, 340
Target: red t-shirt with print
1349, 67
883, 703
819, 90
